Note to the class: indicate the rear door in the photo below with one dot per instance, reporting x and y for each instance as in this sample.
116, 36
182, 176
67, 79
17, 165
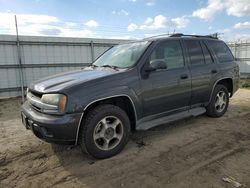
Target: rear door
203, 70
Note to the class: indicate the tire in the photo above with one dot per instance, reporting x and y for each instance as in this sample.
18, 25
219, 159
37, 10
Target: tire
216, 108
105, 131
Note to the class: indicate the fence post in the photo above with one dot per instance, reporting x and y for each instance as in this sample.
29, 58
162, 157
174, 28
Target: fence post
235, 49
19, 60
92, 51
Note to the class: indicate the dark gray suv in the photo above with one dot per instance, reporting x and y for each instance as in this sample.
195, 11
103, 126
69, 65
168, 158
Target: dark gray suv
133, 86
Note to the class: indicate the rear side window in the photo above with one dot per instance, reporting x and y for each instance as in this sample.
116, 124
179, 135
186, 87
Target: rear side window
221, 51
195, 52
207, 55
170, 52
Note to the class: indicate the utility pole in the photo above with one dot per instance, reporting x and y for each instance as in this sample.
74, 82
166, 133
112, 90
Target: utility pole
19, 60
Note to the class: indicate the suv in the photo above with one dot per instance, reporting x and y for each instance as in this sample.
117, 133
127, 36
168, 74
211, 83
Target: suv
132, 86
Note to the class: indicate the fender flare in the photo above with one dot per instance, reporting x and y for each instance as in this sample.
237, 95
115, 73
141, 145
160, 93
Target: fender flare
100, 99
210, 98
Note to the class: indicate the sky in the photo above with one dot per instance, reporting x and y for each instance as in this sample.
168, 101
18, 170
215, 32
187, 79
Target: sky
126, 19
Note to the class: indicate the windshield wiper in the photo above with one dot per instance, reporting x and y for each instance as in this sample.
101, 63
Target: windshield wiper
93, 65
111, 66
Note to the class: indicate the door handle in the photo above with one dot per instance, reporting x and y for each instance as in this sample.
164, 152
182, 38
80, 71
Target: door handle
184, 76
214, 71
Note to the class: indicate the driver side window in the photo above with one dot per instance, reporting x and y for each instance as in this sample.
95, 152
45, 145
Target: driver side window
170, 52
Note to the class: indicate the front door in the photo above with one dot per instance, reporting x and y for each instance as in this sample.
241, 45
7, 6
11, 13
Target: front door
167, 90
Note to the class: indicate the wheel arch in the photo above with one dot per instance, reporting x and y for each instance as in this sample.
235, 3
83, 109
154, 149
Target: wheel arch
227, 82
123, 101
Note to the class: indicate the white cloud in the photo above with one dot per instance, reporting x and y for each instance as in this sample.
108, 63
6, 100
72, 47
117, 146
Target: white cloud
120, 12
160, 22
124, 12
209, 12
150, 4
236, 37
7, 22
243, 25
8, 19
242, 36
223, 31
148, 21
237, 8
132, 0
132, 27
92, 23
70, 24
65, 32
41, 25
180, 22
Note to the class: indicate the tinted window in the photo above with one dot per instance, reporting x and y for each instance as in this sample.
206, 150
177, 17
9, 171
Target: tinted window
221, 51
195, 52
170, 52
207, 54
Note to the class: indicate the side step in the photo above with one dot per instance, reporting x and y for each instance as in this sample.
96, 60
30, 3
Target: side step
167, 119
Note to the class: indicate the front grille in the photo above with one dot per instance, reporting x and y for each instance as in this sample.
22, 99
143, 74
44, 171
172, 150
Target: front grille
34, 96
36, 107
34, 99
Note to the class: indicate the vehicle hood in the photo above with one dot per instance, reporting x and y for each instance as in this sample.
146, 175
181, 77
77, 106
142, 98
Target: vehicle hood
60, 81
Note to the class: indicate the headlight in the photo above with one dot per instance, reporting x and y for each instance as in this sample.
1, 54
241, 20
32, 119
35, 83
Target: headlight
58, 100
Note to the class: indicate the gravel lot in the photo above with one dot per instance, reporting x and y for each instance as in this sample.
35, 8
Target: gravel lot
195, 152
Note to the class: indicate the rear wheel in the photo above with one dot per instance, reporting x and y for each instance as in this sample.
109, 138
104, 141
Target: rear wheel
105, 131
219, 102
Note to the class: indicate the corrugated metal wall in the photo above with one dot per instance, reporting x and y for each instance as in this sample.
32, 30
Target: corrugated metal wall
44, 56
241, 51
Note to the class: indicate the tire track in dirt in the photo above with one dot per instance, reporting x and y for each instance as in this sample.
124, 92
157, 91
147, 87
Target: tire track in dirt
195, 152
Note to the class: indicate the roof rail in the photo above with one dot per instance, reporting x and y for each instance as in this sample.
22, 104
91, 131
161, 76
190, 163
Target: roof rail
166, 34
213, 36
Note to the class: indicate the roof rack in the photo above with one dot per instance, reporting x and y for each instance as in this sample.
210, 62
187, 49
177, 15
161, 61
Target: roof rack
161, 35
213, 36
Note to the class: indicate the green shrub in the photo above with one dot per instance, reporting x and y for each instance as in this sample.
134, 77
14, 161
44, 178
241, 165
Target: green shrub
245, 85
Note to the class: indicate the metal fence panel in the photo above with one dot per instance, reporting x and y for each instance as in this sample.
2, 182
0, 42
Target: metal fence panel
44, 56
241, 51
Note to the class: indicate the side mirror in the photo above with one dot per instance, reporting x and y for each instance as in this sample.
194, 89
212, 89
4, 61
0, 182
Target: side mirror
156, 65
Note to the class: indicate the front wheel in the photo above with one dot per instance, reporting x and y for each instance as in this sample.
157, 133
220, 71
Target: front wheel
105, 131
219, 102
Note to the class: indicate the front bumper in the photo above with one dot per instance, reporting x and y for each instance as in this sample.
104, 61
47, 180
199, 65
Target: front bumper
51, 128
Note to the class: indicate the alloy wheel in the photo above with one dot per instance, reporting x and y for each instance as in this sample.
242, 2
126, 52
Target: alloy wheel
108, 133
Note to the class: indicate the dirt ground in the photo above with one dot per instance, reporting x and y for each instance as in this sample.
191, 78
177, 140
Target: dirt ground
195, 152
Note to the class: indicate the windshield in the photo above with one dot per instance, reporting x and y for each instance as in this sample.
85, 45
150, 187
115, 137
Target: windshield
122, 56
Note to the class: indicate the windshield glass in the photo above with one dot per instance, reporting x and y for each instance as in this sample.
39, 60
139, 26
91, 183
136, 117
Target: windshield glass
122, 56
